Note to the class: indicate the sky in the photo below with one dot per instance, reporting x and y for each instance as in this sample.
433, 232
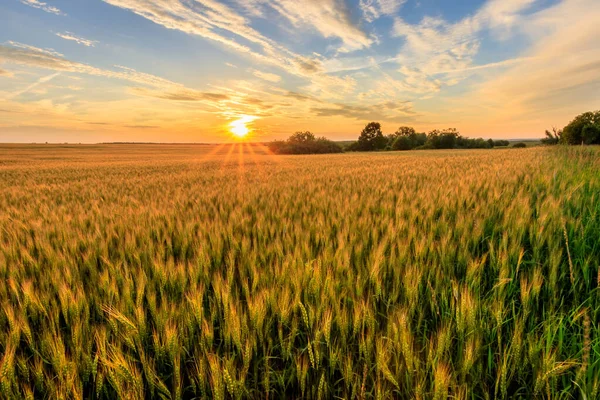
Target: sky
89, 71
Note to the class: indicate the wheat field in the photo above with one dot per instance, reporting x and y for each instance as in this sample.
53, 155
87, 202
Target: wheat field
182, 271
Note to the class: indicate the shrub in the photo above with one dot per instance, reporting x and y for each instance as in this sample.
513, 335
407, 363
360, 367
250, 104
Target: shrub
304, 143
519, 145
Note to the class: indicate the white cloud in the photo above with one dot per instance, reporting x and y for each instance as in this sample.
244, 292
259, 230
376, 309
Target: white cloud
210, 19
435, 46
76, 39
330, 18
375, 9
42, 6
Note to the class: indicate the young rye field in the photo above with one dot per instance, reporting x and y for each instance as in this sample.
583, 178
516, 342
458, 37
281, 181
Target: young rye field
224, 272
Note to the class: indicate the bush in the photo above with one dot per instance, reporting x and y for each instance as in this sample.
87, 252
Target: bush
519, 145
304, 143
501, 143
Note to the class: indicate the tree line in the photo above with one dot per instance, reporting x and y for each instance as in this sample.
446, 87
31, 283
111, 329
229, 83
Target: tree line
584, 129
373, 139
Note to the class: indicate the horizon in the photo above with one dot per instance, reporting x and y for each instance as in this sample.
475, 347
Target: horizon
216, 71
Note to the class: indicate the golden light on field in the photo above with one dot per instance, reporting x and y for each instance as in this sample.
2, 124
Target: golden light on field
239, 127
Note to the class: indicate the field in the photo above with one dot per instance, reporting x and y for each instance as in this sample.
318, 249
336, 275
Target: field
147, 271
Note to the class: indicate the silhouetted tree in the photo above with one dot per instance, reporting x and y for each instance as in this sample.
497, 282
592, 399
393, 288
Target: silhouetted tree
305, 143
445, 139
552, 137
591, 134
573, 133
402, 143
371, 138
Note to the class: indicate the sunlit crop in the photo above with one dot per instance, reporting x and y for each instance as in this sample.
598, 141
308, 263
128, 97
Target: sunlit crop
227, 272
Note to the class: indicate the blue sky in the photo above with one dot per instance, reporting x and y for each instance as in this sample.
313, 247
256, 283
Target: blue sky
186, 70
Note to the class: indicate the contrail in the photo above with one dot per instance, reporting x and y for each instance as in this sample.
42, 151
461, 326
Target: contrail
43, 79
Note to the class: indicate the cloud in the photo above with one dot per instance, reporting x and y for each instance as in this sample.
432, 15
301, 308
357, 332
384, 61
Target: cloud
266, 76
79, 40
34, 85
211, 20
375, 9
23, 54
43, 6
180, 94
562, 72
435, 46
330, 18
387, 111
5, 73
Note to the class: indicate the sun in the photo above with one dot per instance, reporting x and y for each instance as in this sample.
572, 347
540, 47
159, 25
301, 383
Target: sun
240, 130
239, 127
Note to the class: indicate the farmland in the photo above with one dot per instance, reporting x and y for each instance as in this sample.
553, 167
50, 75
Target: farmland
155, 271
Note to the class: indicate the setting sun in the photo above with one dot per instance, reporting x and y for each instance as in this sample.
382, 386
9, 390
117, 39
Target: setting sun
239, 127
239, 130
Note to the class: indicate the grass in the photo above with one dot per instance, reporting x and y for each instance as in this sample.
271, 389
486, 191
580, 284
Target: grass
225, 272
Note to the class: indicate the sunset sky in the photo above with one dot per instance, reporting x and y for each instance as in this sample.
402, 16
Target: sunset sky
193, 70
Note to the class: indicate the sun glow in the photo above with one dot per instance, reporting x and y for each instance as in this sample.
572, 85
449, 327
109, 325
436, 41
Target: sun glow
239, 127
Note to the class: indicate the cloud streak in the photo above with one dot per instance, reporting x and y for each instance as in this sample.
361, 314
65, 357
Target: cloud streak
79, 40
43, 6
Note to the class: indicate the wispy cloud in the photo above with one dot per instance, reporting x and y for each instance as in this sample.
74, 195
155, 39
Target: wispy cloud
331, 18
266, 76
387, 111
31, 87
210, 19
5, 73
435, 46
43, 6
374, 9
77, 39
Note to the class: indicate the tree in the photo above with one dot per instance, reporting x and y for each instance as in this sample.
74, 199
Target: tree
371, 138
573, 133
591, 134
519, 145
491, 143
552, 137
302, 137
406, 131
445, 139
402, 143
304, 143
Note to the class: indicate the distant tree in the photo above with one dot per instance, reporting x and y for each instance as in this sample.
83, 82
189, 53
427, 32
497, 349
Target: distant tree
519, 145
304, 143
444, 139
406, 131
371, 138
402, 143
302, 137
501, 143
573, 133
552, 137
490, 143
